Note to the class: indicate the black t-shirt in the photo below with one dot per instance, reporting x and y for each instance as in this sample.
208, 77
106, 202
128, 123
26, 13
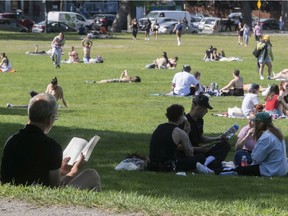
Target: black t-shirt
28, 156
196, 130
162, 146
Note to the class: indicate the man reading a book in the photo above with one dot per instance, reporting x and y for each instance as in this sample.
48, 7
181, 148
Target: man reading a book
31, 157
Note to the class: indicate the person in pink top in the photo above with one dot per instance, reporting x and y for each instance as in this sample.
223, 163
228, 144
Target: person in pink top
257, 31
245, 142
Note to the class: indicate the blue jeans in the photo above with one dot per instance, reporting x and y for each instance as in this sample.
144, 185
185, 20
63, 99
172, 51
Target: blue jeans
238, 156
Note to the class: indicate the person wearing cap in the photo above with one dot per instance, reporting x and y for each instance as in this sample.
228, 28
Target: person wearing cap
57, 44
266, 56
87, 44
30, 157
165, 141
183, 82
250, 100
214, 148
269, 153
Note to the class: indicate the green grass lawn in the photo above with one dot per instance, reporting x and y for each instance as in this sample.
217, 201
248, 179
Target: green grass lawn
125, 115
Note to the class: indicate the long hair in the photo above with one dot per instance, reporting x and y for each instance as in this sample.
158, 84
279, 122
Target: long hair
274, 90
261, 127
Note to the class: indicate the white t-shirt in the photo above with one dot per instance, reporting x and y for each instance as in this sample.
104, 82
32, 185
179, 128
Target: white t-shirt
183, 81
249, 101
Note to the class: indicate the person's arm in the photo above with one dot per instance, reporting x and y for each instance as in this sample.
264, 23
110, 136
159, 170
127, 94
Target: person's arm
2, 61
181, 138
207, 140
61, 96
242, 140
230, 84
48, 89
271, 54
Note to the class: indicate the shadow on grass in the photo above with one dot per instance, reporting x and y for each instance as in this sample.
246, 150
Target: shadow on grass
114, 146
28, 36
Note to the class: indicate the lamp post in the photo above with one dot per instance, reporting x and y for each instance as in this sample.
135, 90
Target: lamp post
259, 6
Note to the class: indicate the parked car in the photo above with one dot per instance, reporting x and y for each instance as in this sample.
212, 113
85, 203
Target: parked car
52, 27
103, 19
195, 20
160, 20
269, 24
7, 18
214, 25
207, 20
167, 28
13, 26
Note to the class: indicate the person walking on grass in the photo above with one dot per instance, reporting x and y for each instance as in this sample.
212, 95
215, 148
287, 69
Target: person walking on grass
30, 157
178, 30
57, 44
266, 56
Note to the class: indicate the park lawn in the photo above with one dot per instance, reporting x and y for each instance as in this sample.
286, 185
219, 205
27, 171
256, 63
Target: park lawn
125, 115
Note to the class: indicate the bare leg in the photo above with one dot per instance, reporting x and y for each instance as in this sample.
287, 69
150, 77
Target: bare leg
88, 179
269, 68
261, 67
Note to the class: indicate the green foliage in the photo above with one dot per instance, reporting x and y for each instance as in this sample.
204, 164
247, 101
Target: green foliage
125, 115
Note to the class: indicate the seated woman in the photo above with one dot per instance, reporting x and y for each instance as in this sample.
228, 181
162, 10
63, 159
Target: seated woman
5, 65
125, 77
281, 75
272, 103
73, 56
235, 86
245, 142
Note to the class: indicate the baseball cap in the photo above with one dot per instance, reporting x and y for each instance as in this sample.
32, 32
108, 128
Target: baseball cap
187, 68
202, 100
263, 117
254, 86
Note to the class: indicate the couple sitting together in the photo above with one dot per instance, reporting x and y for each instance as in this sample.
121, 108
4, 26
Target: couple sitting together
171, 146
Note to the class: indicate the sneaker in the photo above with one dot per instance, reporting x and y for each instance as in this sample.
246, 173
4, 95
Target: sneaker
203, 169
230, 173
261, 78
9, 105
269, 78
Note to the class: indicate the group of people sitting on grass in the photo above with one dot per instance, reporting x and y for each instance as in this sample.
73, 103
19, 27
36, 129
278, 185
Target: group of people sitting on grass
180, 144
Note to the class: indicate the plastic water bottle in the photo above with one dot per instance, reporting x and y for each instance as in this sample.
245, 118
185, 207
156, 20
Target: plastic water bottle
212, 86
244, 161
231, 131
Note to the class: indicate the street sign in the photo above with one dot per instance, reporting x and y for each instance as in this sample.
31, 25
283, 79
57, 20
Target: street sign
259, 4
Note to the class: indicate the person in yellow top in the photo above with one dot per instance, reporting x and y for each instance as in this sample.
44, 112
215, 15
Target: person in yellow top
266, 56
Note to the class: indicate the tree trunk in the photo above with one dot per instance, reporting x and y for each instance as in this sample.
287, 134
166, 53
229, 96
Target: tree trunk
246, 13
120, 21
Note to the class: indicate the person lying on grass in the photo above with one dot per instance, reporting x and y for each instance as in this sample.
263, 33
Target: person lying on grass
124, 78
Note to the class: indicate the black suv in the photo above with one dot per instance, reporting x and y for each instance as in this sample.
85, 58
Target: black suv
103, 19
8, 18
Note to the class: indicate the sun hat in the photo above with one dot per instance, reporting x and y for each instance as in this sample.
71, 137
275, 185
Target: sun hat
202, 100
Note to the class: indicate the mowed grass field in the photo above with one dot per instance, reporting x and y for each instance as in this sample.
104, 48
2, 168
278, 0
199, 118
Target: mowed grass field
125, 115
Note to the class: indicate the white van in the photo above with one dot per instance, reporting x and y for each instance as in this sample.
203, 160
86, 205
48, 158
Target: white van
74, 20
177, 15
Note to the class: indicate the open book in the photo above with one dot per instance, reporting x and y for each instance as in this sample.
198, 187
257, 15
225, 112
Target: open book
78, 145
